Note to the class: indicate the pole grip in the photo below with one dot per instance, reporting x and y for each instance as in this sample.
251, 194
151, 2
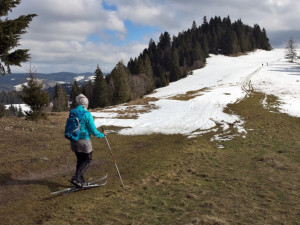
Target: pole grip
102, 129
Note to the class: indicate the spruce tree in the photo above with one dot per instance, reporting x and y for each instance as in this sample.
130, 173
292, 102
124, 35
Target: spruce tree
290, 51
131, 66
161, 80
12, 110
198, 56
175, 69
10, 35
204, 45
34, 95
87, 90
265, 40
164, 41
149, 73
60, 103
194, 26
100, 93
3, 111
152, 51
20, 112
120, 84
75, 91
204, 26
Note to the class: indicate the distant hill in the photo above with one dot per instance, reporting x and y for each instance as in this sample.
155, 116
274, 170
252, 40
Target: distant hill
11, 81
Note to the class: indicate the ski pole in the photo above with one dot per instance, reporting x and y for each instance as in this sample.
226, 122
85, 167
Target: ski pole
113, 159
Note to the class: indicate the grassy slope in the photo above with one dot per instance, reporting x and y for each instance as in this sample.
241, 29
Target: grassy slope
169, 179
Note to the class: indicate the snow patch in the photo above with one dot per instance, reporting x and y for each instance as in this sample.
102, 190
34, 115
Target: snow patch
223, 79
79, 78
24, 107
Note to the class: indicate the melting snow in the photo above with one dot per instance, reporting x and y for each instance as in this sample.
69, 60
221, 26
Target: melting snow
222, 79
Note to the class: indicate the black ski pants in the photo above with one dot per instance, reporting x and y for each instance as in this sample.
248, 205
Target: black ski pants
83, 162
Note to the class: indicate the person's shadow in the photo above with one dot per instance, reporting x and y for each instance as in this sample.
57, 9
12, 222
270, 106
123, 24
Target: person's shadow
7, 180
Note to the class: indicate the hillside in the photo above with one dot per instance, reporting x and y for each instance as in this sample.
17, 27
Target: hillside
197, 102
217, 147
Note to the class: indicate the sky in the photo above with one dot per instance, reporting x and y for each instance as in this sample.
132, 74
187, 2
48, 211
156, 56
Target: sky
77, 35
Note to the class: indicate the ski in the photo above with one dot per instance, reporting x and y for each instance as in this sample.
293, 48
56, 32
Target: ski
100, 179
89, 185
75, 189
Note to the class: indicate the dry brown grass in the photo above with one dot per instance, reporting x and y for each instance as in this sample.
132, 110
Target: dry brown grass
169, 179
190, 95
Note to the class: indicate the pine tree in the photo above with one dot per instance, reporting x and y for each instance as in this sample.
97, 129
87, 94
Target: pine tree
60, 103
175, 69
3, 111
34, 95
140, 66
10, 35
20, 112
290, 51
204, 45
12, 110
256, 36
120, 85
75, 91
194, 26
149, 73
265, 41
205, 25
131, 66
87, 90
228, 42
100, 93
164, 41
152, 52
160, 79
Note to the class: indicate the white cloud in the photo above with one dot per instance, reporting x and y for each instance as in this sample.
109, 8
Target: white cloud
78, 56
141, 13
171, 13
69, 19
59, 38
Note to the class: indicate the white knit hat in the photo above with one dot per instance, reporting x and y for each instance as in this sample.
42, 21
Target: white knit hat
82, 100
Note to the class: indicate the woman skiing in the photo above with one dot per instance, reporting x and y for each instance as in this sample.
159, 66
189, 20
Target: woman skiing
83, 147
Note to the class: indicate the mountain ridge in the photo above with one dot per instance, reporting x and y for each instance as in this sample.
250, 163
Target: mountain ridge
10, 81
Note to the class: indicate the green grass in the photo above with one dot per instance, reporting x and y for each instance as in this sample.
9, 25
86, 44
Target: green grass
170, 179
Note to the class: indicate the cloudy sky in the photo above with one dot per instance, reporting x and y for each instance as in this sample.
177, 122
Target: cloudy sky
78, 35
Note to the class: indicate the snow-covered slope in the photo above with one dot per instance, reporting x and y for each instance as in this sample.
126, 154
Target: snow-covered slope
281, 79
207, 92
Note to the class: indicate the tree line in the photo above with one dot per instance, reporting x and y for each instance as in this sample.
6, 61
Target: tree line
11, 97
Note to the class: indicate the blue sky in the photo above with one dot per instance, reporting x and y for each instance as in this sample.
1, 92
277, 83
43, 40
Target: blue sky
107, 6
78, 35
135, 33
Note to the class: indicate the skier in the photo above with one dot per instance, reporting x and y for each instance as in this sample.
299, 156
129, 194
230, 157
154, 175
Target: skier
83, 147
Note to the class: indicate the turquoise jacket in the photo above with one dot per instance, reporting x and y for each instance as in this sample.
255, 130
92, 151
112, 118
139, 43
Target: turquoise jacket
87, 125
